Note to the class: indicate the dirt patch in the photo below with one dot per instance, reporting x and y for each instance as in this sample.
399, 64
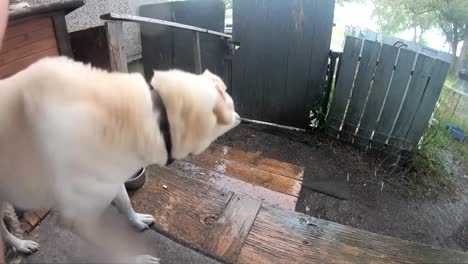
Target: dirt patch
350, 187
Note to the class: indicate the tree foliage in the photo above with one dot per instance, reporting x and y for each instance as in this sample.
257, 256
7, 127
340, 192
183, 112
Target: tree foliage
228, 4
450, 16
400, 15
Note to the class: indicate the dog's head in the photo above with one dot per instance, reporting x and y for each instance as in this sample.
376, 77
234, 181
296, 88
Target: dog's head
198, 108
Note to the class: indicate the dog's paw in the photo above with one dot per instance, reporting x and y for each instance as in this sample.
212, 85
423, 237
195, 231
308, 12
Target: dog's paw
147, 259
26, 246
142, 221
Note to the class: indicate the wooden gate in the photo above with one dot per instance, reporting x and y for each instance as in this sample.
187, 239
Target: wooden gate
384, 96
166, 47
279, 70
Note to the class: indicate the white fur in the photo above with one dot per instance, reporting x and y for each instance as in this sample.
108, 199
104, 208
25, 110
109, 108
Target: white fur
70, 135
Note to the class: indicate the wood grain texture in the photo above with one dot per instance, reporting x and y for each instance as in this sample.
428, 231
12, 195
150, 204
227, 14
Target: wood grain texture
248, 174
422, 71
27, 38
171, 46
278, 236
225, 183
400, 80
115, 42
28, 25
278, 73
383, 73
344, 83
367, 67
12, 68
230, 231
428, 101
187, 209
27, 50
258, 161
197, 53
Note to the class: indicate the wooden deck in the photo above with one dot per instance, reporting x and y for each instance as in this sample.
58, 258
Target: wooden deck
239, 228
273, 182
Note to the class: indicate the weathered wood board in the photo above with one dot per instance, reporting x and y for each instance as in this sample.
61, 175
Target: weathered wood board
186, 209
238, 229
248, 174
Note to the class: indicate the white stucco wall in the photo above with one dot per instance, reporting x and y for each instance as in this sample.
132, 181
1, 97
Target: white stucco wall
88, 16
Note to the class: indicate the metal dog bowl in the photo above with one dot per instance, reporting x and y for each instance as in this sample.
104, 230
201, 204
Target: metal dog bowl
137, 180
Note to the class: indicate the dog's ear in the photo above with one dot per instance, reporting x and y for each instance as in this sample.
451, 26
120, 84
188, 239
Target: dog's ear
221, 109
213, 77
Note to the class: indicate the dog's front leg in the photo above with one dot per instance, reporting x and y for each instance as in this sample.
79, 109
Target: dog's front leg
122, 203
114, 241
25, 246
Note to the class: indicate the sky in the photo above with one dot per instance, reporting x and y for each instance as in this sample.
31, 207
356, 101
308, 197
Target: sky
361, 15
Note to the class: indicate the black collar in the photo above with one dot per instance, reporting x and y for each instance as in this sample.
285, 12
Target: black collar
163, 122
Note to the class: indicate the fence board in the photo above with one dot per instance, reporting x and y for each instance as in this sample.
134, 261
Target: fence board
395, 94
166, 47
247, 93
429, 99
347, 70
422, 70
383, 74
361, 88
279, 70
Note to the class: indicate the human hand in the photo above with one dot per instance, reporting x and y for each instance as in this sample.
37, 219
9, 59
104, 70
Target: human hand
3, 19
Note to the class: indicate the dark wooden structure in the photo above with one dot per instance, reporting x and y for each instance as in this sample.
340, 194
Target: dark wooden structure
278, 73
238, 228
384, 96
169, 47
33, 33
91, 46
116, 45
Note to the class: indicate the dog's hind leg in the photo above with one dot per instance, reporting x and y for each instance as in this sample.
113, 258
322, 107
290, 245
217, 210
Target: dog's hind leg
122, 203
25, 246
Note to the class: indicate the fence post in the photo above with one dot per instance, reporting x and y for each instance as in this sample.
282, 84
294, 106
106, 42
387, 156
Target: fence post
328, 86
197, 52
118, 58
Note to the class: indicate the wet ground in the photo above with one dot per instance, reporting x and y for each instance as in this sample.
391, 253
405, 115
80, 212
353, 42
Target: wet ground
344, 185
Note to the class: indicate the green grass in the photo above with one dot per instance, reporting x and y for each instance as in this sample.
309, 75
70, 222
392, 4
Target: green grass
438, 137
430, 169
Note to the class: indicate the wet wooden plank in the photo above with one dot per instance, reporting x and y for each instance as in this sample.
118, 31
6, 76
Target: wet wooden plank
429, 99
248, 174
347, 71
186, 209
230, 231
367, 67
420, 78
226, 183
279, 236
395, 94
383, 73
256, 160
